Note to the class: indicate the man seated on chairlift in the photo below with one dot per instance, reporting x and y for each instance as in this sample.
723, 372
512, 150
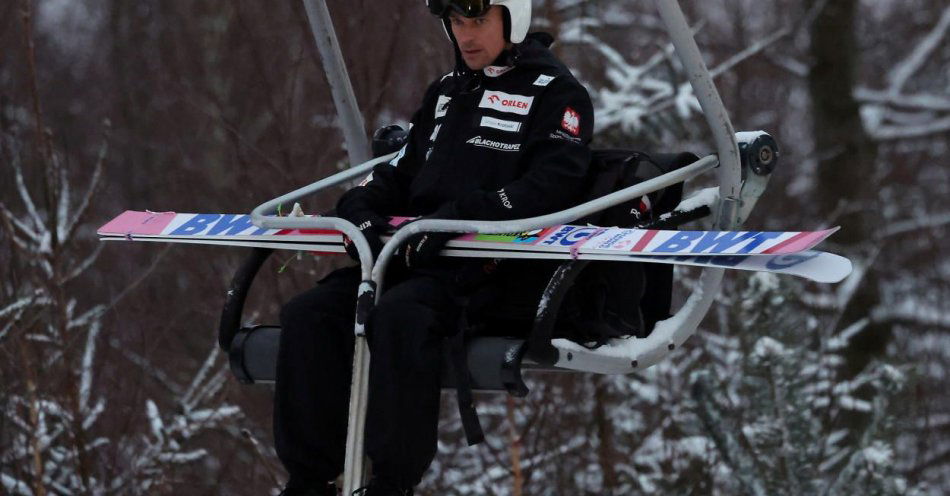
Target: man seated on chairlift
503, 136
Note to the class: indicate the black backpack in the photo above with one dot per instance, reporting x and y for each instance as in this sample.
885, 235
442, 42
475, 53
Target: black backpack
598, 306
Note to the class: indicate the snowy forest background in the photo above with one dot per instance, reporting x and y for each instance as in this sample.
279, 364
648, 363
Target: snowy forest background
110, 379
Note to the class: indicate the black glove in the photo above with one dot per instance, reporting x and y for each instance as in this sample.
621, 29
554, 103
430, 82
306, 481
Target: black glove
422, 248
372, 226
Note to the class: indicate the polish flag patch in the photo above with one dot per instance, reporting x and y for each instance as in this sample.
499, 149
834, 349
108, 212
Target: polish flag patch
571, 121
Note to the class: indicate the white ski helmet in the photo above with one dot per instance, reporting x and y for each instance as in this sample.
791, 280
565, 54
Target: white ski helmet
519, 11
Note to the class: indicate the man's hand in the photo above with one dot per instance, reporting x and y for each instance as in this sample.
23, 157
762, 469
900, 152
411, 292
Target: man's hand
372, 226
422, 248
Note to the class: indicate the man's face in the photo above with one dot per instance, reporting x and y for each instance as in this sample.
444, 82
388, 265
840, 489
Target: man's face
481, 39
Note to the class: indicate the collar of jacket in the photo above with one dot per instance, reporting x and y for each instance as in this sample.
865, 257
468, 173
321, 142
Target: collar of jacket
533, 53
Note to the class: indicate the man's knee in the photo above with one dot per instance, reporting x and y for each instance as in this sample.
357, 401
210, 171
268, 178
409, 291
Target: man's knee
301, 312
407, 332
334, 296
313, 317
398, 315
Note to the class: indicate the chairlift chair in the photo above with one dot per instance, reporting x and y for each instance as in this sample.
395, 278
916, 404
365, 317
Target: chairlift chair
742, 163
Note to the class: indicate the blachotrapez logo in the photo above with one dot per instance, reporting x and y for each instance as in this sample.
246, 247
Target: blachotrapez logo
494, 145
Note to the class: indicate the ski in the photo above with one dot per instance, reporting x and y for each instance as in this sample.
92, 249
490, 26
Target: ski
572, 239
814, 265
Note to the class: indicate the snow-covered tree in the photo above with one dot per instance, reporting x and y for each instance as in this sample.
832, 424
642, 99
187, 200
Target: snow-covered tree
773, 411
219, 105
53, 403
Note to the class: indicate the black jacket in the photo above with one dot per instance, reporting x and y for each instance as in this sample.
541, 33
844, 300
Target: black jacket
507, 142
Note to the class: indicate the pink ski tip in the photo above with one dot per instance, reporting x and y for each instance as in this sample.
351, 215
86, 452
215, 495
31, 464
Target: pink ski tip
800, 242
134, 222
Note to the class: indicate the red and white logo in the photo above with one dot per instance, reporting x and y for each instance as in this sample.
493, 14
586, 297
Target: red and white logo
645, 204
571, 121
496, 70
504, 102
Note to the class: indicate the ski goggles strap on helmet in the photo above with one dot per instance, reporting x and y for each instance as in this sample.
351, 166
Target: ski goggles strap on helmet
467, 8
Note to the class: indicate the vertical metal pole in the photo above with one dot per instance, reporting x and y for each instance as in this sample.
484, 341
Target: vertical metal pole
354, 467
358, 150
351, 120
730, 170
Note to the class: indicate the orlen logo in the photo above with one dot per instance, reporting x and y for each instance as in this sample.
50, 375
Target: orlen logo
504, 102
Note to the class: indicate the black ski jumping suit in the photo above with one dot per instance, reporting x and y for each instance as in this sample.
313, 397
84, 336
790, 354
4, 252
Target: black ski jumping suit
506, 142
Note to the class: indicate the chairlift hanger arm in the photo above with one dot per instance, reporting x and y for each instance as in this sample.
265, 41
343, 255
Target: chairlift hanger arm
717, 118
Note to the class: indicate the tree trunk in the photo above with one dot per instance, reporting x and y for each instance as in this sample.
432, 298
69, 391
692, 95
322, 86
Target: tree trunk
514, 449
606, 453
846, 161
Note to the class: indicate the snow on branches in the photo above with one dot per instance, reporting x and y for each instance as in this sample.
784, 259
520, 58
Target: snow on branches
54, 436
650, 97
44, 430
780, 429
897, 112
150, 457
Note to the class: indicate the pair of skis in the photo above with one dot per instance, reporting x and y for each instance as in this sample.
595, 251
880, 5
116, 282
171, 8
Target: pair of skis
782, 252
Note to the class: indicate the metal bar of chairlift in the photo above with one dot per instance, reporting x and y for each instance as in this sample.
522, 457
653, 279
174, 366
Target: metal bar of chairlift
717, 118
673, 332
344, 99
358, 149
706, 163
260, 217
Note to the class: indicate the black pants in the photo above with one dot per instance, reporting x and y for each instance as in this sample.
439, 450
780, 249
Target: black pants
405, 336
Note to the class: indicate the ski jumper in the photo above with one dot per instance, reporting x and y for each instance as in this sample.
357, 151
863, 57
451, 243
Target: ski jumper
509, 141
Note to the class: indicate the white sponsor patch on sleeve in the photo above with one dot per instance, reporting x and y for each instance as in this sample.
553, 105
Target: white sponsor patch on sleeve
505, 102
510, 126
442, 106
544, 80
